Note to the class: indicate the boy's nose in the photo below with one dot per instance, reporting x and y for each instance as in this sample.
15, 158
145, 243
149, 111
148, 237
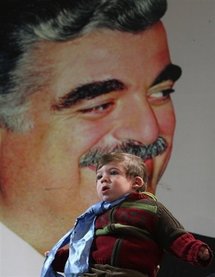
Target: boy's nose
104, 178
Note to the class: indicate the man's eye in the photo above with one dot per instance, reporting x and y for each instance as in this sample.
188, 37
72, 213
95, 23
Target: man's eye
97, 110
161, 95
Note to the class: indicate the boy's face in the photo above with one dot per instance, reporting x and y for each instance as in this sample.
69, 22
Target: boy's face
112, 182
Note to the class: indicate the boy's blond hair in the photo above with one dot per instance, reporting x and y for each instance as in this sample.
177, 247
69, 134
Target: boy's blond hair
133, 165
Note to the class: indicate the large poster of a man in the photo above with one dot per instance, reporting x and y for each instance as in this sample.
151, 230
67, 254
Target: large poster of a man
75, 83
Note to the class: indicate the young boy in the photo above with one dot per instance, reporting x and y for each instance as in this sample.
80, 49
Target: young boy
129, 238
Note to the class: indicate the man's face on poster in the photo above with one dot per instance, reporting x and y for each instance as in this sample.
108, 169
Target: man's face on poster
106, 91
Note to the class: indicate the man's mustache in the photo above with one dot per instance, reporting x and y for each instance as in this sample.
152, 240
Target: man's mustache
143, 151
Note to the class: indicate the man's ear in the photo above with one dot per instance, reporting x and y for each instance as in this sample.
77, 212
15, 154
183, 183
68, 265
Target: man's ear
138, 183
2, 132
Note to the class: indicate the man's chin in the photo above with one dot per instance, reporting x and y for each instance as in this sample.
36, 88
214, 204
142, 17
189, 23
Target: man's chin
152, 184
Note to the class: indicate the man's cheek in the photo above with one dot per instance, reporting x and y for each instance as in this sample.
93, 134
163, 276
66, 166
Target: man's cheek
166, 121
89, 134
88, 184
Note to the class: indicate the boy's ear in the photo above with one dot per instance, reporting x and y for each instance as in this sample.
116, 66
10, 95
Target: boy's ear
138, 183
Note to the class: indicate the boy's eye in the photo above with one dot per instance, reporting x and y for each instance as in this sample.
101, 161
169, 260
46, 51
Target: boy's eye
114, 172
98, 177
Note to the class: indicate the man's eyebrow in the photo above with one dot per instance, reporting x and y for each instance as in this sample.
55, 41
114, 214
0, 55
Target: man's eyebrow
86, 92
94, 89
170, 72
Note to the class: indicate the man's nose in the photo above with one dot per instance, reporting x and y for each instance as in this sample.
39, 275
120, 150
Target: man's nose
137, 122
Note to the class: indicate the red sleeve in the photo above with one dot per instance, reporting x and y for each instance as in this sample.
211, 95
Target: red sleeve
187, 248
60, 259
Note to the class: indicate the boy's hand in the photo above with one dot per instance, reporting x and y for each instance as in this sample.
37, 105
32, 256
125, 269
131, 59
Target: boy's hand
46, 253
204, 253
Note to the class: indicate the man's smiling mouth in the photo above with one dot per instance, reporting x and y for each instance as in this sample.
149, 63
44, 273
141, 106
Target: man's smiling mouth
145, 152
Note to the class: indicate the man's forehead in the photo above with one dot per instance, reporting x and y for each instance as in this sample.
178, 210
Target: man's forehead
101, 40
79, 77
